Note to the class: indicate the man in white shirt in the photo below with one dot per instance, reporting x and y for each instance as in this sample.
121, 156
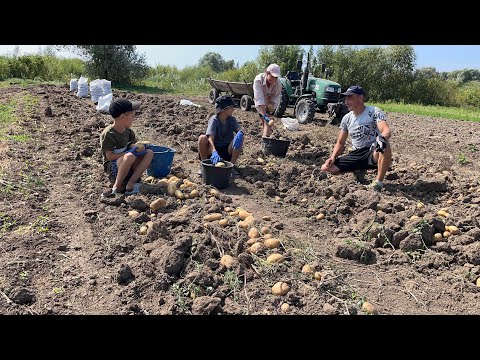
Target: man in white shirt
267, 91
369, 132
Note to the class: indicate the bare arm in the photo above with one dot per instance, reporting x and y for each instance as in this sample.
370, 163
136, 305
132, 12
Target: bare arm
211, 139
384, 129
111, 156
339, 147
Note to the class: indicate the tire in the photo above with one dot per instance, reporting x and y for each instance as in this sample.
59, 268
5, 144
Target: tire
213, 95
282, 107
246, 103
305, 110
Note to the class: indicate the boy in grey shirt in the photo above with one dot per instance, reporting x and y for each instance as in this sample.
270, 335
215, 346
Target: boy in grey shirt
369, 132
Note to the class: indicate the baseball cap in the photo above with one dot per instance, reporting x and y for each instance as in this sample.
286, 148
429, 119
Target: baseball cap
355, 89
222, 103
122, 105
274, 69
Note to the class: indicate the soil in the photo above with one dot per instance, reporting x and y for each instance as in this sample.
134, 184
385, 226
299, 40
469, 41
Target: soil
66, 249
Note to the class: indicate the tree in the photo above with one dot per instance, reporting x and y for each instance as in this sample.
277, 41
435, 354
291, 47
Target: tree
285, 56
118, 63
216, 62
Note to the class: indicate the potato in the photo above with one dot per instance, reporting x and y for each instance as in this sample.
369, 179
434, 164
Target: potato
266, 218
414, 217
150, 179
171, 188
143, 230
212, 217
133, 213
320, 216
179, 195
220, 164
450, 202
317, 275
194, 194
227, 261
243, 214
249, 221
215, 192
271, 122
211, 199
478, 282
437, 237
267, 236
420, 205
285, 308
261, 161
158, 204
162, 183
443, 213
223, 222
452, 229
272, 243
308, 269
369, 308
251, 241
265, 230
280, 288
275, 258
446, 234
253, 233
256, 248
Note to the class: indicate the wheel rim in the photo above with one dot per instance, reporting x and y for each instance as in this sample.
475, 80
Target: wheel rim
302, 111
243, 103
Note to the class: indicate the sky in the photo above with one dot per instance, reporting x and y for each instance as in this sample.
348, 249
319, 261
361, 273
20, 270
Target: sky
441, 57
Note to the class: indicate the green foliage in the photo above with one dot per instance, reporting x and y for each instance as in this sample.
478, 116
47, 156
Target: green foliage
117, 63
462, 159
216, 62
285, 56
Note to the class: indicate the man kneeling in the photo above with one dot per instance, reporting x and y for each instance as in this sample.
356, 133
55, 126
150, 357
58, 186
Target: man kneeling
369, 134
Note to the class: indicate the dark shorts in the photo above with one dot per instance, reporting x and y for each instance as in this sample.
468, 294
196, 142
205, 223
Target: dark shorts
359, 159
223, 152
111, 169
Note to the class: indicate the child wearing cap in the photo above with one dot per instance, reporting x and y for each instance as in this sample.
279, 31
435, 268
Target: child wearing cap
219, 141
267, 92
122, 160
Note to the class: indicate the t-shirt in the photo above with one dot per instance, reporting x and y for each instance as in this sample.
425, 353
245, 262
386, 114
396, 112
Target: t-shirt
363, 128
222, 133
264, 95
112, 140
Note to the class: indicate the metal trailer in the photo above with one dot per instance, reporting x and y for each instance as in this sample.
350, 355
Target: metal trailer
238, 91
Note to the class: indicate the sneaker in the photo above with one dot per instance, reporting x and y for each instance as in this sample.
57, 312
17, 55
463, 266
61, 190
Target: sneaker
114, 191
377, 186
135, 190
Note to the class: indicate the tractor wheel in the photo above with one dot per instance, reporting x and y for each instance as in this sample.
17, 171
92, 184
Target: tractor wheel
305, 110
246, 103
283, 104
214, 94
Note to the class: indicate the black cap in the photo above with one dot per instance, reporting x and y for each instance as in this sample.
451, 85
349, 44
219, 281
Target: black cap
122, 105
222, 103
355, 89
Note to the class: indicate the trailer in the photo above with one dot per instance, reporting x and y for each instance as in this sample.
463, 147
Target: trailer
241, 93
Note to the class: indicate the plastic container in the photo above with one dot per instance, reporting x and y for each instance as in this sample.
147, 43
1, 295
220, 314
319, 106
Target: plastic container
271, 146
161, 162
218, 177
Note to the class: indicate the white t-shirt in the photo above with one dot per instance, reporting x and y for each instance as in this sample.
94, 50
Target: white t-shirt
363, 128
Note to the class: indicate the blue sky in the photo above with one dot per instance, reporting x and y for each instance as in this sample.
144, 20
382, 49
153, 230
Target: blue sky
442, 57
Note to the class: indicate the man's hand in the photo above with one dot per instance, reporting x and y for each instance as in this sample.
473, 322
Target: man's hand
238, 140
215, 158
380, 143
329, 162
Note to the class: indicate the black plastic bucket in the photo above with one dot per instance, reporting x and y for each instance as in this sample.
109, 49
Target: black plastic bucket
218, 177
271, 146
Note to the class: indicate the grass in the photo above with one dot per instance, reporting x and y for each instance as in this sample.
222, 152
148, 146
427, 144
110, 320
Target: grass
23, 83
10, 117
454, 113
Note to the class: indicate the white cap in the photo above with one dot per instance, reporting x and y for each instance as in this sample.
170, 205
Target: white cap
274, 69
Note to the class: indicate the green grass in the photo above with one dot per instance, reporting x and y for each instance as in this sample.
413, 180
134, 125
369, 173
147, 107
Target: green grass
23, 83
453, 113
10, 117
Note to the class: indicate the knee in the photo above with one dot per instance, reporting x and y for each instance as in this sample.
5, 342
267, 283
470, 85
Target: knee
324, 168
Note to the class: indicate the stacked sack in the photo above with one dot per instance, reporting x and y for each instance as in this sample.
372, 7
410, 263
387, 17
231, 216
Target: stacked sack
82, 87
73, 84
96, 89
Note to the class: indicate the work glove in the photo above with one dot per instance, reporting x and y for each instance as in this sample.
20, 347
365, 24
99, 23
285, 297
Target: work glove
266, 118
380, 143
238, 140
215, 158
137, 153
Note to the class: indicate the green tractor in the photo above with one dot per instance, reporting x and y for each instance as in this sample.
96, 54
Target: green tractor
307, 95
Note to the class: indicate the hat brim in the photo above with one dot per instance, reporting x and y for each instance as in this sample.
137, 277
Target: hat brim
136, 105
274, 75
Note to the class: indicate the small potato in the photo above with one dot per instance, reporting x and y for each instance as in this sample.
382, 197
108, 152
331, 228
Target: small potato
253, 233
320, 216
274, 258
220, 164
143, 230
317, 275
179, 194
212, 217
446, 234
271, 122
266, 218
194, 194
251, 241
256, 248
265, 230
308, 269
437, 237
414, 217
478, 282
369, 308
443, 213
223, 222
158, 204
242, 214
452, 229
285, 308
133, 213
272, 243
420, 205
280, 288
227, 261
267, 236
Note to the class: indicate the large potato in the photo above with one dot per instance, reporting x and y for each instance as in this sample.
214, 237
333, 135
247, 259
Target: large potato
280, 288
227, 261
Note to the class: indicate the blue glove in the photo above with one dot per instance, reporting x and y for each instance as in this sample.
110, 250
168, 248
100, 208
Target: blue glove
380, 144
137, 153
215, 158
267, 119
238, 140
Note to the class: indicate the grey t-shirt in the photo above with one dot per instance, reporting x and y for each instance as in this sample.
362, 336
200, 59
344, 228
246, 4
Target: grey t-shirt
222, 133
363, 128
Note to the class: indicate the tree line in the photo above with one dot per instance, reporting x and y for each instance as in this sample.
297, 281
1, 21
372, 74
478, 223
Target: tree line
388, 73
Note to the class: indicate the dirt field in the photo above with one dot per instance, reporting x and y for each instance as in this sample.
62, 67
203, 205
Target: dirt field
65, 249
